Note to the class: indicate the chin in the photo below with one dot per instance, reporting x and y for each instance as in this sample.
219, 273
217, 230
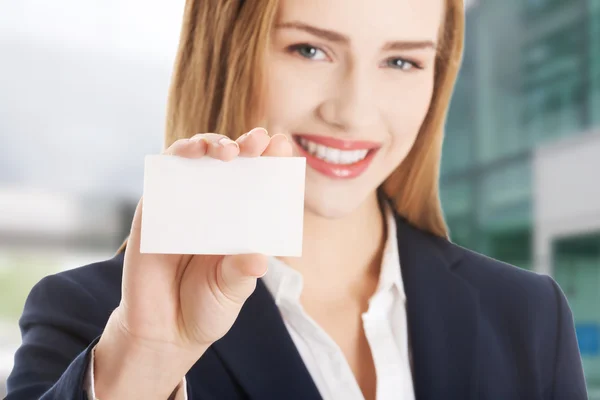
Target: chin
332, 203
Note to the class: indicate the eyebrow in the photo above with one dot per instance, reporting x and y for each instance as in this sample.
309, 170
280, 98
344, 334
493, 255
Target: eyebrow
337, 37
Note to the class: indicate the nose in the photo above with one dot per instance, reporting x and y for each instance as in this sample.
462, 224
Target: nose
350, 102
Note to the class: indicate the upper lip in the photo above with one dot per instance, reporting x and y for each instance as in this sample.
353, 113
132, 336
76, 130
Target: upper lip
336, 143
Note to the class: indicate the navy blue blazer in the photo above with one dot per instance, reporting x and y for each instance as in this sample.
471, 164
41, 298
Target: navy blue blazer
478, 328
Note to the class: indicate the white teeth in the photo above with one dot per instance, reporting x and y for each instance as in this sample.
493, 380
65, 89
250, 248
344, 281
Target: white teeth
332, 155
346, 158
321, 151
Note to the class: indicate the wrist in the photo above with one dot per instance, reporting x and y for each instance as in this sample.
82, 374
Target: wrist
126, 367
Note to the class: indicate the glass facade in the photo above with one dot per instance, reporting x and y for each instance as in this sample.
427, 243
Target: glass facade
554, 82
594, 40
530, 75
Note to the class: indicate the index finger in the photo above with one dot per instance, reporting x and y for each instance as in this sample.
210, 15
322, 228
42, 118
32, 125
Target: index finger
279, 146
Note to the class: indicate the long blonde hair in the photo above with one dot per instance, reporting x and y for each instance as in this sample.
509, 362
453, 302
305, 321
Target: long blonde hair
218, 74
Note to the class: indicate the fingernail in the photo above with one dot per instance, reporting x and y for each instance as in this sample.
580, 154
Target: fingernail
262, 129
285, 136
226, 142
264, 273
258, 129
244, 136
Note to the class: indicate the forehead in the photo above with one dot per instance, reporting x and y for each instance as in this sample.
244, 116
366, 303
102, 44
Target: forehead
372, 19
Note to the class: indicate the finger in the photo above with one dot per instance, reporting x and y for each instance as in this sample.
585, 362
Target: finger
133, 242
190, 148
237, 274
253, 143
279, 146
133, 254
221, 147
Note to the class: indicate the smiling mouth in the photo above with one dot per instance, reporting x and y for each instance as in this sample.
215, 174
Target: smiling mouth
331, 154
334, 157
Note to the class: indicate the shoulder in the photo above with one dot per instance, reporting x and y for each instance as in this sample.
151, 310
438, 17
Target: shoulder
504, 282
88, 294
511, 302
522, 303
529, 314
503, 290
494, 280
96, 280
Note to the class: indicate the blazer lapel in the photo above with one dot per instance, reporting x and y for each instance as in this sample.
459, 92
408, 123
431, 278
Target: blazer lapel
262, 356
442, 311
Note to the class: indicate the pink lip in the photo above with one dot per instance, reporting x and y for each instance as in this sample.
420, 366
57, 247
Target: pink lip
340, 143
338, 171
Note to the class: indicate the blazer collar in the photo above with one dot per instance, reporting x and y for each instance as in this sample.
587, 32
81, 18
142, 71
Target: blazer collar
261, 354
442, 312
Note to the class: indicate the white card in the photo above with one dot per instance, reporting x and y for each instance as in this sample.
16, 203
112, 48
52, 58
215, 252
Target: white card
208, 206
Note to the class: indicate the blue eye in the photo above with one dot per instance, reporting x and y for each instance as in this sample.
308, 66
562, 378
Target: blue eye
402, 64
309, 52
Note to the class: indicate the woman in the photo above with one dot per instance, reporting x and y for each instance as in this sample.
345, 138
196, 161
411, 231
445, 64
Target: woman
380, 306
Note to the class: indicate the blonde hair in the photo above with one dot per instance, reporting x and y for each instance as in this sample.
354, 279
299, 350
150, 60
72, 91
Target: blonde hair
218, 86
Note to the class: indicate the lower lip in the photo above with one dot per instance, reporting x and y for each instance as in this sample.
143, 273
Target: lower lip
338, 171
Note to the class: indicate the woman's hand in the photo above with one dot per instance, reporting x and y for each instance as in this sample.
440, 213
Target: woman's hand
173, 307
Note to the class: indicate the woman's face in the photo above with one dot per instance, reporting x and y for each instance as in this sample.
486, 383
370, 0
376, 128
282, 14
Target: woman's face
350, 82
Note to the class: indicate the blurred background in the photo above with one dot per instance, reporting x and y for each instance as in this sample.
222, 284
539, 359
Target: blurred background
83, 88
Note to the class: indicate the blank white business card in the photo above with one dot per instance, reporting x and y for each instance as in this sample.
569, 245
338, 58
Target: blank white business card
208, 206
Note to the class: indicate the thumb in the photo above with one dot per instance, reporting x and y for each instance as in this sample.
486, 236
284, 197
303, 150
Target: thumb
135, 233
238, 273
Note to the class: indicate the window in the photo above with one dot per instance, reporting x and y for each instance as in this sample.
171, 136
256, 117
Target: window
554, 86
539, 9
456, 155
506, 186
456, 198
594, 107
511, 246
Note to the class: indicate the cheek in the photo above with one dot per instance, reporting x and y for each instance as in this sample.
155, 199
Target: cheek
405, 117
290, 97
407, 113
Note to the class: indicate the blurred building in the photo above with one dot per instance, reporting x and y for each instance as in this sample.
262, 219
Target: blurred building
521, 164
82, 101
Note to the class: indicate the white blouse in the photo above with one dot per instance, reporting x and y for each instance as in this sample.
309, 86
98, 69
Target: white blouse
384, 323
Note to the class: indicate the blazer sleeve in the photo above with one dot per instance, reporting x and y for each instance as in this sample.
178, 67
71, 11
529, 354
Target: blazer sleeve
569, 379
60, 324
